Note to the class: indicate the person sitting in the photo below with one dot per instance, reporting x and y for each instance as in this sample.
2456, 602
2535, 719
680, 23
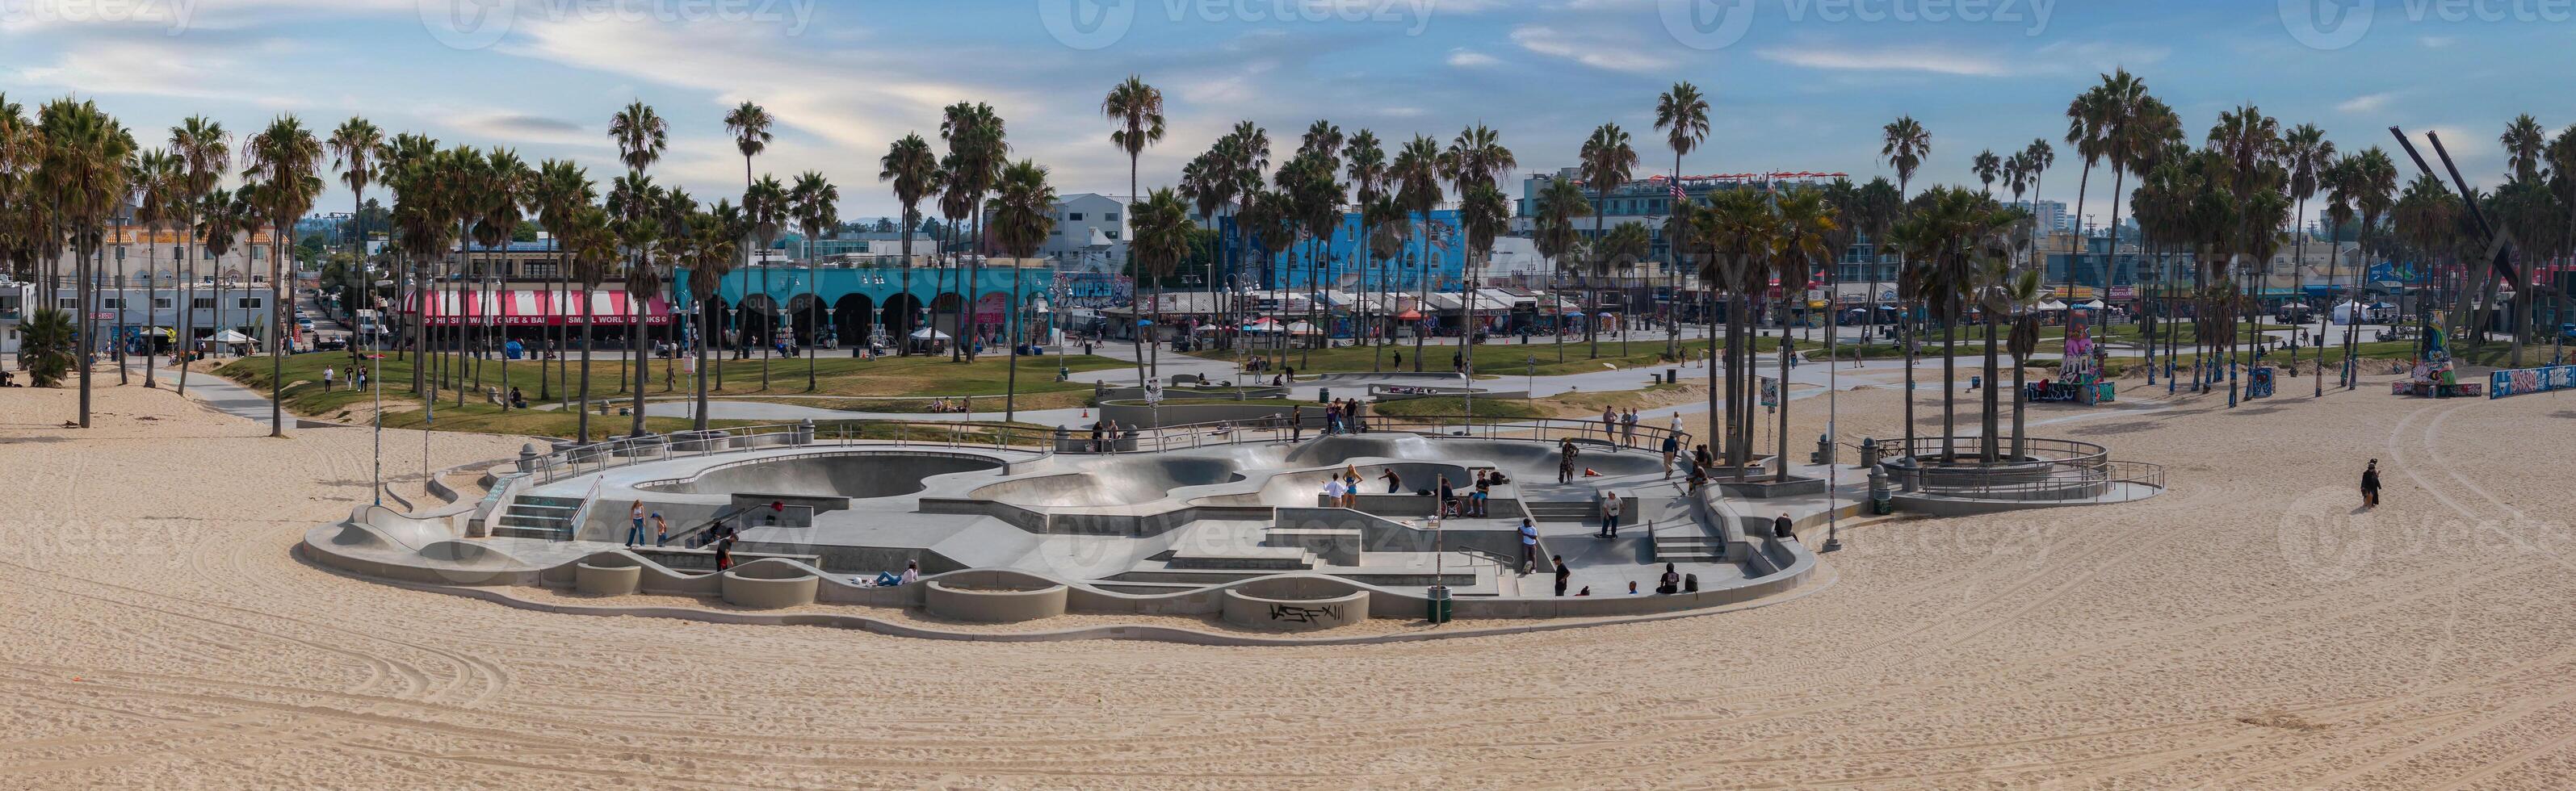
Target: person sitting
1670, 583
518, 400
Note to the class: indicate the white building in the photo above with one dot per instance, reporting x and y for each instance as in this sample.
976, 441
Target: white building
2048, 214
1089, 226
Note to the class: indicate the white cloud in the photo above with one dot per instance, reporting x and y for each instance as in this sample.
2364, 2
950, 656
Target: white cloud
2101, 56
1923, 59
2437, 42
1465, 58
1590, 49
2368, 103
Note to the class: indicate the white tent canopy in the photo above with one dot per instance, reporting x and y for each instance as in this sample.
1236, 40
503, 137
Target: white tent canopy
926, 333
229, 336
2051, 304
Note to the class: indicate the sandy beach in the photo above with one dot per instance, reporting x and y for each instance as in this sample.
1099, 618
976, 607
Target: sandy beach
2248, 629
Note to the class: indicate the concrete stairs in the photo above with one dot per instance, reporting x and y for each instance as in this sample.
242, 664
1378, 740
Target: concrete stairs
1579, 512
530, 516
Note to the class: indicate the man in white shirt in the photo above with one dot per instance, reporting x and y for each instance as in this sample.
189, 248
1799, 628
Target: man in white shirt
1334, 489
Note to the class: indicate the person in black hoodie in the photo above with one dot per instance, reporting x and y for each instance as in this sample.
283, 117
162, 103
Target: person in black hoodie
2370, 485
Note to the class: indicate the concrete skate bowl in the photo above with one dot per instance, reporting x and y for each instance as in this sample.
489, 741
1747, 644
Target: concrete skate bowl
1117, 481
1300, 488
1527, 461
858, 476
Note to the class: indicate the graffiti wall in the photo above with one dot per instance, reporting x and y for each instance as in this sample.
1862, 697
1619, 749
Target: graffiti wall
2531, 380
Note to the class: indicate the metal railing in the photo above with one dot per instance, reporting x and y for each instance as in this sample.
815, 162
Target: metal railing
2092, 483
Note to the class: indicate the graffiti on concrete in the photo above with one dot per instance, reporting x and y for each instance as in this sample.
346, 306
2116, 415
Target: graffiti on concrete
1295, 614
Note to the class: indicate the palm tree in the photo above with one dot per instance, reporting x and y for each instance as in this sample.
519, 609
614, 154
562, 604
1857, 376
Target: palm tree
2308, 155
914, 171
1805, 225
767, 207
641, 136
1619, 251
1741, 234
1483, 212
504, 190
1416, 172
711, 242
1682, 115
561, 190
1986, 166
2088, 120
2562, 180
1137, 108
749, 124
2020, 293
591, 238
204, 153
1023, 210
1365, 159
817, 208
284, 158
1607, 163
157, 178
83, 168
2038, 157
357, 148
1477, 157
2137, 123
1163, 228
1905, 143
2249, 143
976, 133
1558, 204
2375, 179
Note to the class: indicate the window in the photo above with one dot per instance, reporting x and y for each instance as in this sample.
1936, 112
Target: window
163, 303
67, 303
1073, 216
111, 303
202, 303
1110, 234
1109, 217
247, 303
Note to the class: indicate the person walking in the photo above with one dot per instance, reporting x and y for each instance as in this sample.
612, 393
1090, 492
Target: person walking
661, 530
2370, 485
1610, 507
635, 535
1672, 446
1529, 544
1565, 461
1563, 575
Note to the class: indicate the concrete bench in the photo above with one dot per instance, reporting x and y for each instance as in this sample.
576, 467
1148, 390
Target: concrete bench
1253, 558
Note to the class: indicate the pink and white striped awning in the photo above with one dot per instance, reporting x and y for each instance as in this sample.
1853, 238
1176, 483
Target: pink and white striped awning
528, 307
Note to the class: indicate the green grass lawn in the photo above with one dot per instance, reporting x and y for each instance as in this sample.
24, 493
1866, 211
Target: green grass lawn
1504, 408
909, 377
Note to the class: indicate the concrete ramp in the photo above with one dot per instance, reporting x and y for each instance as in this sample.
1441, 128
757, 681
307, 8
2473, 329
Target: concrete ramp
1114, 481
858, 476
1526, 460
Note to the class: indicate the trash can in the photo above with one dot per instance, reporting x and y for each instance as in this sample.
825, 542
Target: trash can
1323, 395
1439, 601
1882, 498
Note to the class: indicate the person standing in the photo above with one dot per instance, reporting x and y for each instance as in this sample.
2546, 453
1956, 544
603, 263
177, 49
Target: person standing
1610, 507
1609, 425
1565, 461
635, 535
1335, 493
1563, 575
326, 379
2370, 485
661, 529
1628, 429
1529, 544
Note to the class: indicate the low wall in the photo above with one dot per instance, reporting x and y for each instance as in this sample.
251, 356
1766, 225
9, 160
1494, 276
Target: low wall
1294, 615
1181, 413
994, 597
769, 584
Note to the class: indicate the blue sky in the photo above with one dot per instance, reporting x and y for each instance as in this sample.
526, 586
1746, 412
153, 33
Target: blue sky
1806, 86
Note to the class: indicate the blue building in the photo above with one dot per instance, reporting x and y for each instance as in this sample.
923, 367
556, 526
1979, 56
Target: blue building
1340, 265
855, 303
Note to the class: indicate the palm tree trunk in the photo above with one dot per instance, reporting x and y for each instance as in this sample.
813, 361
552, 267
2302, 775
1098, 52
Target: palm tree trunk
1994, 401
2075, 257
1949, 383
1011, 378
278, 311
813, 302
587, 320
1781, 461
699, 316
637, 342
122, 376
2020, 441
151, 297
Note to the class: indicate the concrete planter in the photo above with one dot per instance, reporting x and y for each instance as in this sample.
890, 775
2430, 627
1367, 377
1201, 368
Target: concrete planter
769, 585
594, 579
993, 606
1295, 615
